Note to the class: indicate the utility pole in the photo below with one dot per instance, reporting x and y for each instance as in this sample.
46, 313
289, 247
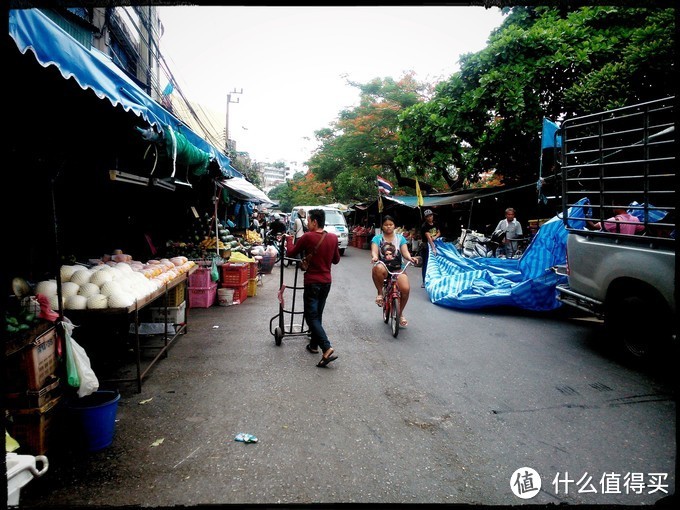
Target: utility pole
226, 129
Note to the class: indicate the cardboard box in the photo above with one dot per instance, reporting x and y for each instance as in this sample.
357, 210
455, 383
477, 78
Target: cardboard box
31, 367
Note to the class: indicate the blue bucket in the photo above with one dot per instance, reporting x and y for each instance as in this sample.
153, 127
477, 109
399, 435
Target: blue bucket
94, 419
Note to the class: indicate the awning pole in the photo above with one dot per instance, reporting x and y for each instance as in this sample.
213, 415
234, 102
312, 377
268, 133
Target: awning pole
472, 202
217, 236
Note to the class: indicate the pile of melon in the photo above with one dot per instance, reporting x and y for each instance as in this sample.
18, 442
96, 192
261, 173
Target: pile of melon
112, 283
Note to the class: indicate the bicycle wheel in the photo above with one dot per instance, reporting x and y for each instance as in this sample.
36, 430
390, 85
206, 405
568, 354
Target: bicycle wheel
385, 308
395, 314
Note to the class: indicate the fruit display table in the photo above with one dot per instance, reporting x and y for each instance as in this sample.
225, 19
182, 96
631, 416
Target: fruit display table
163, 295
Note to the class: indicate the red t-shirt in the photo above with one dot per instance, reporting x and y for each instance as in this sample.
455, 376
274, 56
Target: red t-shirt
326, 254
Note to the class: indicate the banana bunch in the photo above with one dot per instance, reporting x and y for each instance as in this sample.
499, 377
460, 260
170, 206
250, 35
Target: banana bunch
210, 243
253, 237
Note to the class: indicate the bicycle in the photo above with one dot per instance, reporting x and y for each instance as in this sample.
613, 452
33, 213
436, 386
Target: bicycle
391, 308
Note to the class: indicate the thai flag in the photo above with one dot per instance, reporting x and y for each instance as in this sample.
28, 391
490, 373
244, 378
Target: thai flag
384, 186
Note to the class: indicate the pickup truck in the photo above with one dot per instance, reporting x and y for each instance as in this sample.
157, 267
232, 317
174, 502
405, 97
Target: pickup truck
623, 159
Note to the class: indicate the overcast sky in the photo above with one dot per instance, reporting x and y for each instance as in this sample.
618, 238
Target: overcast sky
292, 63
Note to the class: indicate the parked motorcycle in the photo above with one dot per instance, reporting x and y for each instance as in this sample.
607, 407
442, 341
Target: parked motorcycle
474, 244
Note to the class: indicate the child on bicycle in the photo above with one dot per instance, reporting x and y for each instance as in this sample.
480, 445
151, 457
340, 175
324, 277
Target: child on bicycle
391, 249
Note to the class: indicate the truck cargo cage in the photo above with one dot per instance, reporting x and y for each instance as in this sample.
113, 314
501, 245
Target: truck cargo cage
611, 156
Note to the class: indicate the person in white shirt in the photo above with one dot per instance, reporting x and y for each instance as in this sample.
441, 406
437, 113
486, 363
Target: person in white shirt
513, 230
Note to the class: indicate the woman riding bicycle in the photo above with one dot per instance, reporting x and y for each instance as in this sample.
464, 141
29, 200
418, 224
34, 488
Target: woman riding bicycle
391, 249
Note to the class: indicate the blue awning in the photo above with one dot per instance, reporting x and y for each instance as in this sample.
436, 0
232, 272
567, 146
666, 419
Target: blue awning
92, 69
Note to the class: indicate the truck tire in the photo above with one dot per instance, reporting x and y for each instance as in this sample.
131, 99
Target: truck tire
637, 322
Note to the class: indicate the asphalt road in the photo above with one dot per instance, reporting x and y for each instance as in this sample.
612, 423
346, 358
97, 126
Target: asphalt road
445, 413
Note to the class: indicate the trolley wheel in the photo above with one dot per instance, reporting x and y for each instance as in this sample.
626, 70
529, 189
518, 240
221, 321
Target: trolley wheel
395, 314
278, 336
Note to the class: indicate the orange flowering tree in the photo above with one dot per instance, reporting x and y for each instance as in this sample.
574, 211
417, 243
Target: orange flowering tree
361, 144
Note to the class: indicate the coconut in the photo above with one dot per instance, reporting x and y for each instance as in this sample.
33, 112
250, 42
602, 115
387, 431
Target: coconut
69, 289
47, 288
116, 273
155, 284
138, 277
97, 302
54, 302
65, 272
81, 276
101, 277
121, 300
88, 289
75, 303
124, 266
109, 288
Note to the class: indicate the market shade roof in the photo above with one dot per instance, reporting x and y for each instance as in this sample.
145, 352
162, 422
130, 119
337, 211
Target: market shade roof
439, 199
245, 191
338, 205
92, 69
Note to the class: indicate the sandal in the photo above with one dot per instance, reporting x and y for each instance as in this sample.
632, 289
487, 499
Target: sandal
379, 301
325, 360
311, 349
403, 322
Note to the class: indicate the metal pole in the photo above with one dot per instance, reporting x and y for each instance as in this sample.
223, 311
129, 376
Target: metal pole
226, 128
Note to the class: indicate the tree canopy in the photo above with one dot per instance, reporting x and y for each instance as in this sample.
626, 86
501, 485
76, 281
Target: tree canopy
541, 62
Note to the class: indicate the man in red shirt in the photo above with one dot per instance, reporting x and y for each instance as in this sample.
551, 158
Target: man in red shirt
317, 281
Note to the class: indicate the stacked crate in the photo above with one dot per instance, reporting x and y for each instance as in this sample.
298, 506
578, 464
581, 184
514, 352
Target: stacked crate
252, 279
33, 390
202, 290
235, 276
176, 307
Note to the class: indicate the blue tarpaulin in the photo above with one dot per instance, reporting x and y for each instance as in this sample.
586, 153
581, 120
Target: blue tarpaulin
455, 281
92, 69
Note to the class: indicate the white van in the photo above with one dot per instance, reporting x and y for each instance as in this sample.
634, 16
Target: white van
335, 223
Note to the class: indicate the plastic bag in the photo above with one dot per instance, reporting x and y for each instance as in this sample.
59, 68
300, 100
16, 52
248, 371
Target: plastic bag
88, 382
71, 367
214, 273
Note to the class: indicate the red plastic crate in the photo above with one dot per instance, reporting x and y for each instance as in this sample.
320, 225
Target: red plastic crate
241, 293
202, 297
253, 270
200, 278
234, 274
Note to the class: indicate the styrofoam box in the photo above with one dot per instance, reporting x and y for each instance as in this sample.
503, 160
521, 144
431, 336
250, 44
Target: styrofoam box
152, 328
176, 314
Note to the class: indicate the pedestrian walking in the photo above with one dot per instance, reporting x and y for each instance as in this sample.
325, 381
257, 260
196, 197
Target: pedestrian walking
321, 248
